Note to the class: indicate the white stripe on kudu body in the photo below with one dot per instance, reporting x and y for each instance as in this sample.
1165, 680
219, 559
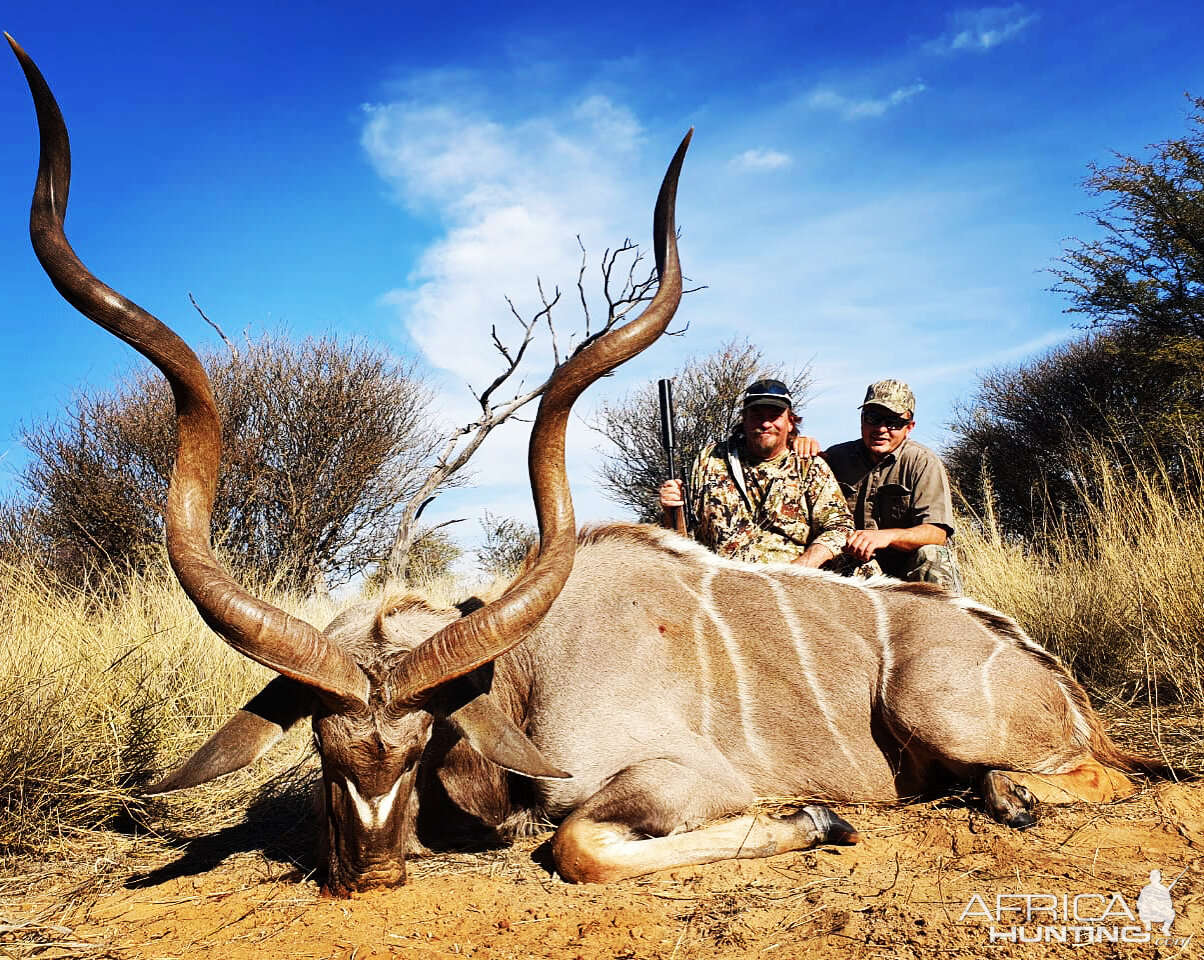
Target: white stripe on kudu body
986, 684
739, 676
805, 655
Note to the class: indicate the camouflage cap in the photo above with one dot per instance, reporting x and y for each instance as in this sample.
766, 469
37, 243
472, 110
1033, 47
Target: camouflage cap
895, 395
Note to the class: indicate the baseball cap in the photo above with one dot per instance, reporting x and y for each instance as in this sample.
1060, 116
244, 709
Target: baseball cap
772, 393
894, 395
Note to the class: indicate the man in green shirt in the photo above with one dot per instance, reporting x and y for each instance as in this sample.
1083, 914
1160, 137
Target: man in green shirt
897, 490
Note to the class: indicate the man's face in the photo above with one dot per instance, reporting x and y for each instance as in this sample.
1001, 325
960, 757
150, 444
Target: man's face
883, 431
767, 430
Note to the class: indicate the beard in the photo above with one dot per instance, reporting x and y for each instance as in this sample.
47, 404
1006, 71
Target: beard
767, 444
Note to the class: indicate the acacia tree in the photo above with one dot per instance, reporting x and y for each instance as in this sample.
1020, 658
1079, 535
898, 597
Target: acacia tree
707, 396
1137, 382
323, 440
1146, 270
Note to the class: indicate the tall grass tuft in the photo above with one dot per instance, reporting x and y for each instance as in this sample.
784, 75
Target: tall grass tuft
99, 690
1117, 593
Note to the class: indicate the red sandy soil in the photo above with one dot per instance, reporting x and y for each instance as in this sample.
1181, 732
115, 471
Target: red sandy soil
905, 891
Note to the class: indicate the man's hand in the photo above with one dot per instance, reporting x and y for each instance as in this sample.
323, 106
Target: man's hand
863, 543
807, 447
815, 556
670, 495
673, 508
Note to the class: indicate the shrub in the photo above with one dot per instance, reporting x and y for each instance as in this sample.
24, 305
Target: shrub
324, 441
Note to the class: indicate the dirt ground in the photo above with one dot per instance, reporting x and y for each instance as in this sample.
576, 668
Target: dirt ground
930, 878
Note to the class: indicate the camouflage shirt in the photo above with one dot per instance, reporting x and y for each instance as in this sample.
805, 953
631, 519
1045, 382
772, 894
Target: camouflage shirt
786, 505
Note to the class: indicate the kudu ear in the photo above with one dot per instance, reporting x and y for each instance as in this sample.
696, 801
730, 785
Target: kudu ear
496, 738
465, 703
246, 737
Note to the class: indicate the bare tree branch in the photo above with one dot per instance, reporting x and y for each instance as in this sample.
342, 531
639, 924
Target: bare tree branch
221, 333
622, 289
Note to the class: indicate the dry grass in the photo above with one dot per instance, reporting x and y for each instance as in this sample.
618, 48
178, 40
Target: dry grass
1121, 597
95, 696
101, 692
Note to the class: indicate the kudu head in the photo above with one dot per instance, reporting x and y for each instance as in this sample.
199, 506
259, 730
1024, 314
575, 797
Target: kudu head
372, 698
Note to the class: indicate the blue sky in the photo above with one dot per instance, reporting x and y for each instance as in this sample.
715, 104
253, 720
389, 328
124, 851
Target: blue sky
874, 188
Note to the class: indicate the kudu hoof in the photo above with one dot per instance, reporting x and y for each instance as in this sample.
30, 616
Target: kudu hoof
829, 828
1022, 820
1008, 802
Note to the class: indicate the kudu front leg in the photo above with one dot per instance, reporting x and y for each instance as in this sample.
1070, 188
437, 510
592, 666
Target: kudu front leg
637, 825
1009, 795
587, 851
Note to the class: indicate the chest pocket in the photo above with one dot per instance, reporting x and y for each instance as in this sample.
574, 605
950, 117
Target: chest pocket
894, 505
850, 496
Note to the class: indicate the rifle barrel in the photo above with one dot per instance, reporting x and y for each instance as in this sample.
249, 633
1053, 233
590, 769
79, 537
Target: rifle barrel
664, 389
675, 518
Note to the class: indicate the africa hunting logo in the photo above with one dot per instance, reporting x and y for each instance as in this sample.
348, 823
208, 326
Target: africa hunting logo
1081, 919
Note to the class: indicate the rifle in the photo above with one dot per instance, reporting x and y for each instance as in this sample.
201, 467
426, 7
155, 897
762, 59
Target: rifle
674, 517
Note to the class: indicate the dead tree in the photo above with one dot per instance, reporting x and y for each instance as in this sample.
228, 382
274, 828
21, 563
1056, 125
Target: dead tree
624, 286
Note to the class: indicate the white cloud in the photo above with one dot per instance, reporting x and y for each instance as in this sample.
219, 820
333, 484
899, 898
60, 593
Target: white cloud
983, 29
968, 366
825, 98
512, 198
614, 124
758, 160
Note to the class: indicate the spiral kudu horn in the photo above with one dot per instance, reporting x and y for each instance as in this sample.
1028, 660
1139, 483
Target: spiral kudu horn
254, 628
492, 630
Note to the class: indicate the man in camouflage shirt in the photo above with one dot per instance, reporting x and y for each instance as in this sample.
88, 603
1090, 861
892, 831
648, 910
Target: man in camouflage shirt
753, 498
897, 490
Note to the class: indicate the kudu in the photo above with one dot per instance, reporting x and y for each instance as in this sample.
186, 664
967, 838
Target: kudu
641, 691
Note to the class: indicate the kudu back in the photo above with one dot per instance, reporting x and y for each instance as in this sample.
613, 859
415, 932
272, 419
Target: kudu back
636, 683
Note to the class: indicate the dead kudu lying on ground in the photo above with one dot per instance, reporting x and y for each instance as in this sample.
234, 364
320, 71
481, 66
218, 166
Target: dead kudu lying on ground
642, 691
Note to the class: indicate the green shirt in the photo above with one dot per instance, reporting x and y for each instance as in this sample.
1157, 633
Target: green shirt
905, 488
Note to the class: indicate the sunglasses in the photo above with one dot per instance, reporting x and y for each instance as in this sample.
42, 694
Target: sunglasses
890, 421
768, 388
